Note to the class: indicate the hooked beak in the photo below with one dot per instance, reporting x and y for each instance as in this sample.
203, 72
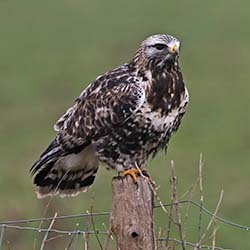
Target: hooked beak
174, 47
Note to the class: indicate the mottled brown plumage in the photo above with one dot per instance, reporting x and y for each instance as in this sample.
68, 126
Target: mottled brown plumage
120, 119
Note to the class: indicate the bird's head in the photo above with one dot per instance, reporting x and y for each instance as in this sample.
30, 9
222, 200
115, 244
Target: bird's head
160, 48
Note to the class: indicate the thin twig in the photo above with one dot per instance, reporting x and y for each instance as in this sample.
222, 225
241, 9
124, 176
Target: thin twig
157, 239
1, 236
108, 231
174, 244
201, 197
70, 242
191, 194
194, 245
86, 235
213, 238
170, 214
215, 212
72, 238
93, 223
56, 237
211, 220
190, 189
76, 241
47, 233
109, 236
8, 243
86, 245
177, 208
52, 197
34, 243
48, 204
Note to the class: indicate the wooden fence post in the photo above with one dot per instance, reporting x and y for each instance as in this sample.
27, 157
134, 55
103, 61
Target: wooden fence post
131, 216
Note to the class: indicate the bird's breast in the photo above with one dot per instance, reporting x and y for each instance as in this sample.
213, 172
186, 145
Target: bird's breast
161, 121
166, 90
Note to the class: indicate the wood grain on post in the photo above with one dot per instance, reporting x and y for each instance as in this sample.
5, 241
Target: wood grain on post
131, 216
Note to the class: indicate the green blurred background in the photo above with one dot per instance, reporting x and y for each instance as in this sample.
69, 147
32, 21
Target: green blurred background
50, 50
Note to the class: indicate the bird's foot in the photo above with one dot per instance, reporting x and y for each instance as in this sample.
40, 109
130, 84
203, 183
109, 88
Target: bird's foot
133, 172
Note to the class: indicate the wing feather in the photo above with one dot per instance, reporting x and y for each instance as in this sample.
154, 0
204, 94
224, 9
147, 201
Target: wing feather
106, 104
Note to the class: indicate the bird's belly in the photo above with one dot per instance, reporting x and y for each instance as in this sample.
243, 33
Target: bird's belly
143, 134
135, 140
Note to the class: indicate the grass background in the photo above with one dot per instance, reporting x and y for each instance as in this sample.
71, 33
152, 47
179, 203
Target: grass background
50, 50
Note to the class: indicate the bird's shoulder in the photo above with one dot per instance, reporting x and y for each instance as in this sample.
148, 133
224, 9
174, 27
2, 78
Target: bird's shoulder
114, 79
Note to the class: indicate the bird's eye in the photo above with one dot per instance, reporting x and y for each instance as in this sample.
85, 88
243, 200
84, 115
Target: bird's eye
160, 46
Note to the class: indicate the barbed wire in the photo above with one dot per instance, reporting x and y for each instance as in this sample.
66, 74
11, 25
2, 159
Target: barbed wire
194, 245
13, 224
72, 216
62, 217
80, 232
196, 204
53, 230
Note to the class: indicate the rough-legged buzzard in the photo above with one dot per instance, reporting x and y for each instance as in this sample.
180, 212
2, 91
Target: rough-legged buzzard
120, 119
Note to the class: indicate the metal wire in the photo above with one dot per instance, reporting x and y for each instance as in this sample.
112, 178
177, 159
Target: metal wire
63, 217
12, 224
194, 245
247, 228
45, 230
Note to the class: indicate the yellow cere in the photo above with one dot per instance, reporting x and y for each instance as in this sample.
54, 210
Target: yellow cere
174, 48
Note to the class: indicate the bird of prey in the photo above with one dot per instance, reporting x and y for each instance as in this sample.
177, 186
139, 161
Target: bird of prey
121, 119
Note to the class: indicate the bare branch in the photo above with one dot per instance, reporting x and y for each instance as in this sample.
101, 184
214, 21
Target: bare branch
211, 221
93, 223
194, 245
47, 233
201, 198
177, 208
1, 236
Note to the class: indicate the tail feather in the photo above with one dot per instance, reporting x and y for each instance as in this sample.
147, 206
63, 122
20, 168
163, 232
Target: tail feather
51, 154
59, 182
57, 172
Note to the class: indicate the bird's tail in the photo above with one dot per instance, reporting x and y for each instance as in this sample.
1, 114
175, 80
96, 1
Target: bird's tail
58, 172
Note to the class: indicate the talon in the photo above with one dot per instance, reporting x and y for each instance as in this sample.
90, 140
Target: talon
133, 172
